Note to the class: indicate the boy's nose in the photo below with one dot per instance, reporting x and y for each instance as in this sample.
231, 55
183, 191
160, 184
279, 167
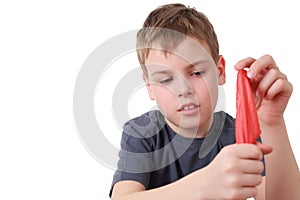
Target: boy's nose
184, 88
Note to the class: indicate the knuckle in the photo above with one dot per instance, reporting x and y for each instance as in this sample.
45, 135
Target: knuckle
233, 194
256, 153
230, 168
284, 76
233, 181
275, 72
260, 167
259, 180
268, 57
227, 150
291, 87
281, 83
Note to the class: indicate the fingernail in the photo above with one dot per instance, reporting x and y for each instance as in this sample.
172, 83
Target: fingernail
250, 74
258, 94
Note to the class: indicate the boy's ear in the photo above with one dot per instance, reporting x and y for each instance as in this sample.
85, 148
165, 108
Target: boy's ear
148, 86
221, 69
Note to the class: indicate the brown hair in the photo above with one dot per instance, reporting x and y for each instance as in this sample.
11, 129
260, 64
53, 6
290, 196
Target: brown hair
178, 18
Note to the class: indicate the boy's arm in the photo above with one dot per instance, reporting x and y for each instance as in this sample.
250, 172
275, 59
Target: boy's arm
132, 190
272, 91
235, 173
283, 178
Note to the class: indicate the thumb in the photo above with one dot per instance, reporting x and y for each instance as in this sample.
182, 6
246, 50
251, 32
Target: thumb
265, 149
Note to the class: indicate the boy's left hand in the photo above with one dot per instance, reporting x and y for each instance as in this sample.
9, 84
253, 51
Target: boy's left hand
270, 87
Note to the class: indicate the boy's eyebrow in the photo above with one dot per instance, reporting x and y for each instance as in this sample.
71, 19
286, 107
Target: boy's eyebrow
188, 66
161, 72
196, 63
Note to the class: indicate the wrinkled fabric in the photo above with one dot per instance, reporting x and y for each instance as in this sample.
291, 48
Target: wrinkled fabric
247, 128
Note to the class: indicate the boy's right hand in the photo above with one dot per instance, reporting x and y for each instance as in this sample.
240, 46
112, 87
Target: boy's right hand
235, 172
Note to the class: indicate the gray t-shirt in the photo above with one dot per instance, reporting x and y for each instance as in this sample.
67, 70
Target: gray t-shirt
154, 155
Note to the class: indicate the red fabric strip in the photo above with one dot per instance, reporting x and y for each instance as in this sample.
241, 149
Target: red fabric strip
247, 128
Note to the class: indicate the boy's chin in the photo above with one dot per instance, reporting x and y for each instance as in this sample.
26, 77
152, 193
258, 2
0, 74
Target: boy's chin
187, 126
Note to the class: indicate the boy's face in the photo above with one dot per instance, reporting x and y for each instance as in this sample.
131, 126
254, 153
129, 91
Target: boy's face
184, 84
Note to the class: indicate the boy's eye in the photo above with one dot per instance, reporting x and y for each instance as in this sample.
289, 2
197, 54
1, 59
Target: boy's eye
166, 80
198, 73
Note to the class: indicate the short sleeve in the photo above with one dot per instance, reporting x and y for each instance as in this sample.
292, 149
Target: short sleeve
136, 160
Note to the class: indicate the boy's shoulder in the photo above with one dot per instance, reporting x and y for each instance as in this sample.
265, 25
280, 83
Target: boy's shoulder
229, 121
145, 125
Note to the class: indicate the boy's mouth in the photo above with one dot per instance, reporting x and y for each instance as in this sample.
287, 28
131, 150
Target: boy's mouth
187, 107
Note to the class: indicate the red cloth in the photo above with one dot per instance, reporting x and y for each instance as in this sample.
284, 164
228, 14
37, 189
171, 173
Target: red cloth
247, 128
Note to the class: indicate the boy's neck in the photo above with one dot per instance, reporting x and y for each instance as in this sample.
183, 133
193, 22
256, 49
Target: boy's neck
199, 132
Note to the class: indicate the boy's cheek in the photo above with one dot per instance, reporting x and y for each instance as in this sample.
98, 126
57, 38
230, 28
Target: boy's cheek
150, 91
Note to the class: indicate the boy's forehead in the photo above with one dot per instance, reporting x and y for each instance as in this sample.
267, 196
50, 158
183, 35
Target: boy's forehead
190, 48
187, 52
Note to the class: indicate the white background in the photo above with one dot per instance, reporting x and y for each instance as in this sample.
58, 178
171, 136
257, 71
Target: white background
43, 45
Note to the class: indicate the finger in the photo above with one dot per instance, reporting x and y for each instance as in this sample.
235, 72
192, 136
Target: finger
280, 86
260, 66
266, 149
243, 193
249, 192
244, 63
248, 151
250, 166
251, 180
267, 80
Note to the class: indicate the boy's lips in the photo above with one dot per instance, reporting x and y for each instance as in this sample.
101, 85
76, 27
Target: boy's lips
188, 109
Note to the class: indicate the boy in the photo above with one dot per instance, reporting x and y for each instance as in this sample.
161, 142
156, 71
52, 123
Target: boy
185, 150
